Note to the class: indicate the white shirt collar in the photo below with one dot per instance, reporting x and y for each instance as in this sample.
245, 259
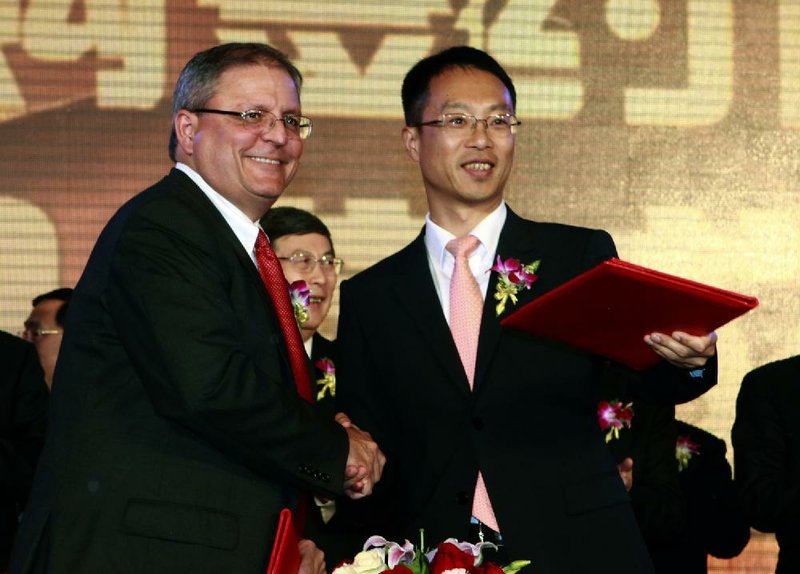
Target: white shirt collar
244, 229
487, 231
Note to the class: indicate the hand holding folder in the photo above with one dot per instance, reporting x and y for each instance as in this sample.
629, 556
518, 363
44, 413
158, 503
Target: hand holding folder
610, 308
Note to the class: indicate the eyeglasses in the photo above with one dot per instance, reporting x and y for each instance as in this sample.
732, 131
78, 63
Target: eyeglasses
262, 119
30, 334
305, 262
496, 123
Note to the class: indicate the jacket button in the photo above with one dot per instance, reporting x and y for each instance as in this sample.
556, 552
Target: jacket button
462, 497
477, 423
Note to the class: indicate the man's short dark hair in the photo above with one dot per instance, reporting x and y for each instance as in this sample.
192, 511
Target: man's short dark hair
280, 221
61, 294
198, 80
417, 82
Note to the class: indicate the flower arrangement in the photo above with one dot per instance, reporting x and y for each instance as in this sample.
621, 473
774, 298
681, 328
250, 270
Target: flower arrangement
613, 416
685, 449
300, 296
513, 277
328, 380
450, 557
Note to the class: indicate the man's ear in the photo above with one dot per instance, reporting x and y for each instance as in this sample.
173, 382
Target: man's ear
411, 141
185, 125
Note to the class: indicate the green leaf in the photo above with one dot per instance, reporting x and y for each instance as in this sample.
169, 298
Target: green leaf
515, 566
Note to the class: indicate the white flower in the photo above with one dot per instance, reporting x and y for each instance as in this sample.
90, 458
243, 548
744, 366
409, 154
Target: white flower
366, 562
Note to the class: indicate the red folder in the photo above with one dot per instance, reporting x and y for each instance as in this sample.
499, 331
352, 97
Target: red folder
285, 556
610, 308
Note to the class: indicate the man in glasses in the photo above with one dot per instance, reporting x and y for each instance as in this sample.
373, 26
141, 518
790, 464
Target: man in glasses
182, 418
44, 327
490, 434
305, 248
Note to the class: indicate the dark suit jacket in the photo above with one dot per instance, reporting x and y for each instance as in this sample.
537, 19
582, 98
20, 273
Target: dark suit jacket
715, 524
658, 502
23, 414
766, 453
530, 425
176, 434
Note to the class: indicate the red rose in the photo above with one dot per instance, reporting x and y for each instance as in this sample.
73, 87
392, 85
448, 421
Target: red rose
449, 556
488, 568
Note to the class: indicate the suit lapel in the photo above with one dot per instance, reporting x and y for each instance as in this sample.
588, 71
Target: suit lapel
209, 214
516, 240
416, 292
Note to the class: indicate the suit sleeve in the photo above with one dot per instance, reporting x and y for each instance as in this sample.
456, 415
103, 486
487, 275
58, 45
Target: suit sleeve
196, 334
359, 396
765, 472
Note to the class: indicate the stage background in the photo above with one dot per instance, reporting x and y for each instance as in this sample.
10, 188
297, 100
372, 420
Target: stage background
672, 123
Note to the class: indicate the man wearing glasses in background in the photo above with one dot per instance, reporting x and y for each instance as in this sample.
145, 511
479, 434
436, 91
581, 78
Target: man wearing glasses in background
44, 327
181, 416
304, 246
489, 434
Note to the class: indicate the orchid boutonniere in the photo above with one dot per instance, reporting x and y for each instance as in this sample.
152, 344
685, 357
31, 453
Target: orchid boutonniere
328, 380
613, 416
685, 449
300, 296
513, 277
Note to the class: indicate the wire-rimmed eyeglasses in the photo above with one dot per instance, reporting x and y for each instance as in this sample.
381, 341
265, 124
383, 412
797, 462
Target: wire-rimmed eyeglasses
305, 262
496, 123
262, 119
33, 334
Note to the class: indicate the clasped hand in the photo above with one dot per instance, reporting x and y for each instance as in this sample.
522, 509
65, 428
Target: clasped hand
364, 462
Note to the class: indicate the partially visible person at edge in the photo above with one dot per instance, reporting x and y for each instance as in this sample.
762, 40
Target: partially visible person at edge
23, 417
177, 433
766, 455
305, 248
489, 433
44, 327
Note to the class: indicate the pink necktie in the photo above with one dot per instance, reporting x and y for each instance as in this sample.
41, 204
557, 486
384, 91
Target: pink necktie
272, 275
466, 309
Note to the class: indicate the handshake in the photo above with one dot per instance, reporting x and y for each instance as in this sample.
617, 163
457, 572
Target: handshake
364, 461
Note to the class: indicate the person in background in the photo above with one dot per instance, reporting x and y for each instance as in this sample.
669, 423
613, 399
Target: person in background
766, 455
715, 524
305, 248
23, 417
181, 420
44, 327
490, 433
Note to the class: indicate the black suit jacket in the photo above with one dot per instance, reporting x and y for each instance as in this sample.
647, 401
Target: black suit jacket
715, 523
530, 425
766, 454
658, 502
176, 432
23, 414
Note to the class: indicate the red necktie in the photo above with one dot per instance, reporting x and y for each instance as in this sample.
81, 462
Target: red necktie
466, 309
272, 275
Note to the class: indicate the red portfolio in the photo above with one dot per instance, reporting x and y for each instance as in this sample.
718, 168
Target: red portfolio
285, 556
610, 308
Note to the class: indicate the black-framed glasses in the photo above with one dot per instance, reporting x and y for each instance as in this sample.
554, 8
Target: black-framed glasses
262, 119
34, 334
305, 262
496, 123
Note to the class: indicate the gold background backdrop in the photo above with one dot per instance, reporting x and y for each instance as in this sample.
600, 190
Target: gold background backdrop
671, 123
